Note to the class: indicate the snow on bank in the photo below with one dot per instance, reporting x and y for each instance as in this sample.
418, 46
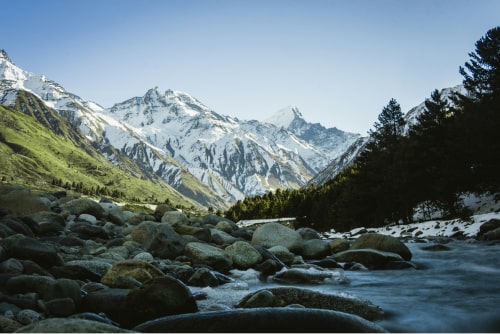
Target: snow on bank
484, 208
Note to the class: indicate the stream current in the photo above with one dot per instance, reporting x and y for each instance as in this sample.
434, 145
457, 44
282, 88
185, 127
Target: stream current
455, 290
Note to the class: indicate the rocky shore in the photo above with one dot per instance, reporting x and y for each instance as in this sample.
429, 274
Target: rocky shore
80, 265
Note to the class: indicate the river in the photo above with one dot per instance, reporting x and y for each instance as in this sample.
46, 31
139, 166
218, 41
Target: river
455, 290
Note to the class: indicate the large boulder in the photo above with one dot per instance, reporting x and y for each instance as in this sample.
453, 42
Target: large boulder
274, 234
262, 320
137, 269
21, 201
384, 243
243, 254
27, 248
285, 296
160, 239
370, 258
83, 205
156, 298
70, 325
315, 249
212, 256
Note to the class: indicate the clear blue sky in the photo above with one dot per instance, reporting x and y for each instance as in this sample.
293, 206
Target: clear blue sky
338, 61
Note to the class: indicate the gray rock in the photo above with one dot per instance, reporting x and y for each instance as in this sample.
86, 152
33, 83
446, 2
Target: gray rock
315, 249
384, 243
137, 269
100, 267
174, 218
83, 205
274, 234
212, 256
370, 258
308, 233
284, 296
26, 248
264, 320
160, 239
156, 298
70, 325
28, 316
243, 255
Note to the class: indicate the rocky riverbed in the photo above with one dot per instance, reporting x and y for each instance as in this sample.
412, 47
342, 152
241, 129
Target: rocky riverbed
80, 265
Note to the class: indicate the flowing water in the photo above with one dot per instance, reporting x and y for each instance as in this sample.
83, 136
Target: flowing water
456, 290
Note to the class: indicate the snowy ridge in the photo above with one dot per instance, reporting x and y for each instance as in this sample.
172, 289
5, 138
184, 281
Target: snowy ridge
172, 134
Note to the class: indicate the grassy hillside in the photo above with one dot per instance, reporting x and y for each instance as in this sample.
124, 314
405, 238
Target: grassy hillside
48, 155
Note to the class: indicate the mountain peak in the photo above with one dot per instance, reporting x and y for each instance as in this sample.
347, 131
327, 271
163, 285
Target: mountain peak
4, 55
284, 117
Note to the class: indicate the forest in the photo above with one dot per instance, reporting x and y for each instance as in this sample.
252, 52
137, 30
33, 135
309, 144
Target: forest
452, 149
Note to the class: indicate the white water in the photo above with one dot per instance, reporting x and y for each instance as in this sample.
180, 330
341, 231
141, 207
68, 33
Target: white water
451, 291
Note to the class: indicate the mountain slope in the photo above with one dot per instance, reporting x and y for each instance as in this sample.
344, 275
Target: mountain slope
34, 155
209, 157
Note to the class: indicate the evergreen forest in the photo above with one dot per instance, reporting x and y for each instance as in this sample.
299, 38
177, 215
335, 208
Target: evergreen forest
452, 149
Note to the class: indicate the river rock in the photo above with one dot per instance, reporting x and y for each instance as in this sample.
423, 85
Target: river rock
284, 296
8, 325
11, 266
82, 205
212, 256
220, 237
275, 234
283, 254
203, 277
370, 258
200, 233
99, 267
175, 218
315, 249
26, 248
70, 325
243, 255
160, 239
308, 233
384, 243
20, 201
22, 284
339, 245
137, 269
263, 320
304, 275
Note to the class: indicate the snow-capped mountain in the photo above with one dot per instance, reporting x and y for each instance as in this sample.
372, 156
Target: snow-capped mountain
176, 137
238, 157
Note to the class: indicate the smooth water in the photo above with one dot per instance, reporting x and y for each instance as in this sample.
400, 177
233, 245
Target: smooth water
457, 290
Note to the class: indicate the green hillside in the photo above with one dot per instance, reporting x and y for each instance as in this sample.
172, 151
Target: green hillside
41, 150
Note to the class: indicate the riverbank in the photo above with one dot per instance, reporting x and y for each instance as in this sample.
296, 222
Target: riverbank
100, 267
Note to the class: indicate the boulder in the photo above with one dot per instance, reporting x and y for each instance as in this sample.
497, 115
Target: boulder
274, 234
82, 205
370, 258
27, 248
308, 233
212, 256
175, 218
20, 201
70, 325
315, 248
138, 269
156, 298
384, 243
306, 275
284, 296
339, 245
160, 239
263, 320
243, 255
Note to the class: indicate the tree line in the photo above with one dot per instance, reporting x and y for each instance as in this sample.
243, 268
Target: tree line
453, 148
